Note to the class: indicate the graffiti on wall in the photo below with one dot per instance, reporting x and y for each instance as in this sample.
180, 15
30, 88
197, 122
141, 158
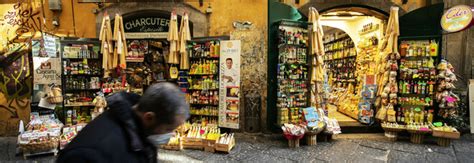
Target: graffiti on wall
15, 72
15, 92
24, 19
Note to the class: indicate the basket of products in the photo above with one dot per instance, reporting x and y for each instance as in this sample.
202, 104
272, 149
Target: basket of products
445, 134
55, 95
418, 132
392, 130
225, 143
175, 143
312, 133
41, 135
193, 139
68, 134
209, 142
293, 133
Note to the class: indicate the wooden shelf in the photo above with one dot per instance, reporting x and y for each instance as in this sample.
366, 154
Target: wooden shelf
203, 74
369, 31
205, 115
338, 39
78, 105
78, 90
203, 89
82, 58
206, 104
90, 75
207, 58
292, 45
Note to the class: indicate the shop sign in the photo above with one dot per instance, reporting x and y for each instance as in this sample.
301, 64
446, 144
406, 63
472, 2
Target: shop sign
229, 86
46, 70
457, 18
147, 24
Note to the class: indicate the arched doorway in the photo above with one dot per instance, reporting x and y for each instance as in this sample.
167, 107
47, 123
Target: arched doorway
351, 36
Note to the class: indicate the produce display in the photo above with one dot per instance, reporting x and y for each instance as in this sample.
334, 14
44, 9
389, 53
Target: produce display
68, 133
292, 74
41, 135
201, 83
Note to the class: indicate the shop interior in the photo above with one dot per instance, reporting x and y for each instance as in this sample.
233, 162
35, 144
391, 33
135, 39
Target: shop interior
349, 33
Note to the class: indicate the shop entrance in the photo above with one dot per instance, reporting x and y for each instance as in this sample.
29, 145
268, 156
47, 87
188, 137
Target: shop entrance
351, 37
147, 63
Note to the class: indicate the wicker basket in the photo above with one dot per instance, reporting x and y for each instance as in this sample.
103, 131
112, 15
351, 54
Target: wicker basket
55, 99
37, 147
55, 95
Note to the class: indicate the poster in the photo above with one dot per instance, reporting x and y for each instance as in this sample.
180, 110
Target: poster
46, 70
47, 47
229, 86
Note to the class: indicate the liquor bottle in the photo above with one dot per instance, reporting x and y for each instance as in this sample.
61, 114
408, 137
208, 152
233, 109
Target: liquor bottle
402, 115
399, 115
433, 48
429, 117
217, 50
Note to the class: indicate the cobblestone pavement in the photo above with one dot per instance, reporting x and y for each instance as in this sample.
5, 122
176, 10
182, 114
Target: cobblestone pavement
273, 148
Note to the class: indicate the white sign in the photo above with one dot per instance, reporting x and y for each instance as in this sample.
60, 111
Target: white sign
229, 85
143, 35
47, 70
50, 45
47, 47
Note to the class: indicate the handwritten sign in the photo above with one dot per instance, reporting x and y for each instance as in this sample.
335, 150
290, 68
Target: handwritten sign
457, 18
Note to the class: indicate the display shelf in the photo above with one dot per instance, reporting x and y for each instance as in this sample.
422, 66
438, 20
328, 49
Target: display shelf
292, 45
198, 104
209, 115
81, 58
415, 95
78, 105
203, 74
341, 49
204, 55
86, 75
216, 89
204, 58
338, 39
417, 79
78, 90
418, 57
369, 31
344, 58
292, 76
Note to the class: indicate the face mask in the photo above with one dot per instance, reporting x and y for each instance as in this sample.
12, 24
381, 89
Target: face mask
160, 139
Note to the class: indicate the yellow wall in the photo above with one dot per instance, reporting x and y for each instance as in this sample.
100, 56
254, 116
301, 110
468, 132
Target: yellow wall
224, 13
409, 6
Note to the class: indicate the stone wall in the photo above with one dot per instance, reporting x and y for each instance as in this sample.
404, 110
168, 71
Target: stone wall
458, 49
253, 72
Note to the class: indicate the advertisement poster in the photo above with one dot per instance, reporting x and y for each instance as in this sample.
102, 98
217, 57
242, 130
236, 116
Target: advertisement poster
229, 86
46, 70
47, 47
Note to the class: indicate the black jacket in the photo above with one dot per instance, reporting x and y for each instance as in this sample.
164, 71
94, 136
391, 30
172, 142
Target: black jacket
115, 136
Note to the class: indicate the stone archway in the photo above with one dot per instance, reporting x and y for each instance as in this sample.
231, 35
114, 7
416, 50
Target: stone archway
382, 6
199, 19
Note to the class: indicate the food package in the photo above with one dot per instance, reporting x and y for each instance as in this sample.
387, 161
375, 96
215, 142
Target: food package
42, 134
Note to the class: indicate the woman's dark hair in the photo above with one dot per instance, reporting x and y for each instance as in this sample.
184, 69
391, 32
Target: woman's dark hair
166, 100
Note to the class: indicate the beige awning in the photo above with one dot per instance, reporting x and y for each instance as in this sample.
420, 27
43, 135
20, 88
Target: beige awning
173, 39
184, 36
